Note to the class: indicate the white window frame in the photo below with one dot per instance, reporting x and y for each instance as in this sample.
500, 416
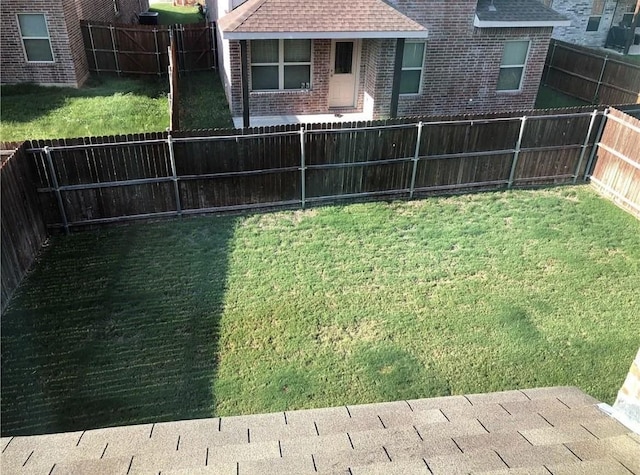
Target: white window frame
421, 68
48, 38
511, 66
281, 64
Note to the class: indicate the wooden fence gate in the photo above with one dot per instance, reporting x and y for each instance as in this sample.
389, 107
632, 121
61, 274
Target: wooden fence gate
142, 49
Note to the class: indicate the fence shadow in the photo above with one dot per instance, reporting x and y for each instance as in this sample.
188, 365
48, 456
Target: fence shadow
116, 327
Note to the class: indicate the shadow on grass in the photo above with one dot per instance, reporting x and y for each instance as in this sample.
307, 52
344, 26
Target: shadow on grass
26, 102
203, 103
116, 327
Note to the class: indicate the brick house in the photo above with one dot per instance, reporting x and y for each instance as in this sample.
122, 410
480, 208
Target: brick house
41, 40
600, 23
377, 59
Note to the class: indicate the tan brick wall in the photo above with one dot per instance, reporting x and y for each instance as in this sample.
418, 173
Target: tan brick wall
63, 20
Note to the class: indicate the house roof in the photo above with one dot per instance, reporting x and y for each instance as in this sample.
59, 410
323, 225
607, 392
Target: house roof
516, 13
264, 19
545, 430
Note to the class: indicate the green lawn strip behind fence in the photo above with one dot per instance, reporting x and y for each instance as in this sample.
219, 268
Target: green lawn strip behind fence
171, 15
203, 104
333, 305
104, 106
549, 98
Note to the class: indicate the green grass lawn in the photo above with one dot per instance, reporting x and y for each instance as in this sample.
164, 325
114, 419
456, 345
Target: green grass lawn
549, 98
203, 104
333, 305
105, 106
170, 15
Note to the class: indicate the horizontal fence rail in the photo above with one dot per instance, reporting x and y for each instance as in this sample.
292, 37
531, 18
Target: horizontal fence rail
143, 49
110, 179
591, 75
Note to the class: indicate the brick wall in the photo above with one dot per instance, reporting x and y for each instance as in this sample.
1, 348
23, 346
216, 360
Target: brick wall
291, 102
15, 67
460, 73
579, 11
63, 20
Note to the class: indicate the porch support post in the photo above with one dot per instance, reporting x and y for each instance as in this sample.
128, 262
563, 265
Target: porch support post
245, 83
397, 73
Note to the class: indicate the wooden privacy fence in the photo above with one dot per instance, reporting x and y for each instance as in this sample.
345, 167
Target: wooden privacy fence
591, 75
617, 171
23, 230
111, 179
142, 49
174, 89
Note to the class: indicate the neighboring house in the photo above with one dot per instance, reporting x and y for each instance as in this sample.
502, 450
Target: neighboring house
382, 58
41, 40
593, 20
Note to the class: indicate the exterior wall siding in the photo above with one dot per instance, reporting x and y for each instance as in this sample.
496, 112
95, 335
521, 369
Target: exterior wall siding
63, 20
460, 72
579, 11
462, 63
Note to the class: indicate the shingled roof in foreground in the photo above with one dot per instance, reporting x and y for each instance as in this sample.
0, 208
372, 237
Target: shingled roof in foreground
536, 431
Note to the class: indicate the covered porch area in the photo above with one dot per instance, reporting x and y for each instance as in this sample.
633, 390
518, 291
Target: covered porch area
292, 63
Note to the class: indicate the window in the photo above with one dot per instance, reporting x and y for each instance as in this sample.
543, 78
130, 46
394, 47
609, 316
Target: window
280, 64
514, 59
597, 8
35, 37
412, 63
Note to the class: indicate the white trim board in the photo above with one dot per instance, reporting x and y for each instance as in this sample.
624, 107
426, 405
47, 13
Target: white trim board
478, 23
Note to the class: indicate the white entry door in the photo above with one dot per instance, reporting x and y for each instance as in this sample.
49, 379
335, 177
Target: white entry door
344, 72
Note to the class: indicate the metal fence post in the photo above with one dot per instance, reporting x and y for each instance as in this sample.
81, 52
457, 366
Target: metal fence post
550, 64
416, 158
604, 66
596, 142
174, 174
93, 48
155, 37
115, 49
56, 187
594, 114
303, 169
516, 152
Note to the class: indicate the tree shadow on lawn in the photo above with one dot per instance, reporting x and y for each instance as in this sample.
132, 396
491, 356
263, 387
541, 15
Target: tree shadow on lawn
116, 327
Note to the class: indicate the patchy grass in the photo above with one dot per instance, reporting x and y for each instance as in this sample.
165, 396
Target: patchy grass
334, 305
105, 106
171, 15
203, 104
549, 98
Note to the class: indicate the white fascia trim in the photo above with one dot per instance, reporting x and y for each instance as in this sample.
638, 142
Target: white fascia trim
478, 23
321, 35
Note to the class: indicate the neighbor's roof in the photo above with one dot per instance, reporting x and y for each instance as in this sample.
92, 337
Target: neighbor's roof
516, 13
534, 431
264, 19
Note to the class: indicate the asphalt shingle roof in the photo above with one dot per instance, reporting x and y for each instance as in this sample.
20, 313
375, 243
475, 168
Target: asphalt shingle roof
516, 11
272, 16
546, 430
